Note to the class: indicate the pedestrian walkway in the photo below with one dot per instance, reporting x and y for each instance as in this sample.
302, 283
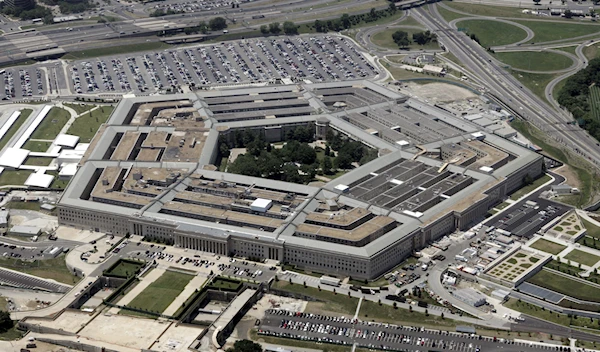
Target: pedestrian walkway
189, 290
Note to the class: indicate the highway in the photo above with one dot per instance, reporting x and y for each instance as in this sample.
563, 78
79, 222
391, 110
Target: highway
506, 88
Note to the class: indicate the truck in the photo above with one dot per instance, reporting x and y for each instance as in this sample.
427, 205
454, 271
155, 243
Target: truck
331, 281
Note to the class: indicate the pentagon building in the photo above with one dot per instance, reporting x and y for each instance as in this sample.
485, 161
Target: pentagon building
150, 171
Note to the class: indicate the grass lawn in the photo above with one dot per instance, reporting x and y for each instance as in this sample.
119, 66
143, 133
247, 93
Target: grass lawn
159, 294
14, 177
535, 60
52, 124
485, 10
526, 189
564, 285
449, 15
568, 49
38, 161
336, 304
55, 269
591, 51
11, 334
219, 283
547, 246
581, 167
502, 205
592, 230
86, 125
57, 183
37, 146
536, 82
487, 32
15, 127
124, 269
115, 50
582, 257
557, 318
373, 311
384, 39
80, 108
35, 206
545, 31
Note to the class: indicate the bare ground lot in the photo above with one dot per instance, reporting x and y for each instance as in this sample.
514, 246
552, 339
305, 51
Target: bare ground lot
440, 92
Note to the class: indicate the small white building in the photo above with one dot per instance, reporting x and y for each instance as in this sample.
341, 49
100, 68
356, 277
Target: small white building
470, 296
4, 217
67, 171
40, 180
261, 205
66, 140
13, 157
27, 231
69, 156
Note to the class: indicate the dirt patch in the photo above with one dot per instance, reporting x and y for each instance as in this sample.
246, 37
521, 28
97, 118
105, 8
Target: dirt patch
567, 172
440, 92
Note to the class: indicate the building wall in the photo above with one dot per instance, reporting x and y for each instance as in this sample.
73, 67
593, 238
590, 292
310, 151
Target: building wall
326, 262
533, 169
95, 220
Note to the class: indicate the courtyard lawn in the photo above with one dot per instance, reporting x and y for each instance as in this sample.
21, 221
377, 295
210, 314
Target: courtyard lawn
582, 257
52, 124
25, 113
564, 285
80, 108
487, 32
41, 147
125, 269
159, 294
547, 246
86, 125
14, 177
535, 60
38, 161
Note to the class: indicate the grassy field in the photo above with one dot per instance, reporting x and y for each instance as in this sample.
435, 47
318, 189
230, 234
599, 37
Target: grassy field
159, 294
582, 257
592, 230
11, 334
450, 15
37, 146
564, 285
86, 125
487, 32
588, 181
384, 39
535, 60
52, 124
485, 10
54, 269
80, 108
591, 51
373, 311
524, 190
115, 50
15, 127
14, 177
547, 246
125, 269
557, 318
24, 205
336, 304
545, 31
536, 82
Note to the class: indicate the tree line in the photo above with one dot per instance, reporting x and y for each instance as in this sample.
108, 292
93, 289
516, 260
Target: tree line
347, 21
401, 38
575, 97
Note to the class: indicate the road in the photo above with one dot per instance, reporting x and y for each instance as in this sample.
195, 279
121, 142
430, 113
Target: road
505, 88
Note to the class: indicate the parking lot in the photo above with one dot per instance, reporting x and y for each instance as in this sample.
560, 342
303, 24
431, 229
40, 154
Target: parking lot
526, 219
314, 58
248, 270
347, 331
189, 6
16, 83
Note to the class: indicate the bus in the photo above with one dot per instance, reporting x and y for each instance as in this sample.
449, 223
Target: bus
36, 21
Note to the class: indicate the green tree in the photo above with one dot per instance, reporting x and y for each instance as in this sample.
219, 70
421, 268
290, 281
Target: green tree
342, 161
320, 26
264, 29
245, 346
326, 165
274, 28
346, 22
217, 23
290, 28
401, 39
5, 322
